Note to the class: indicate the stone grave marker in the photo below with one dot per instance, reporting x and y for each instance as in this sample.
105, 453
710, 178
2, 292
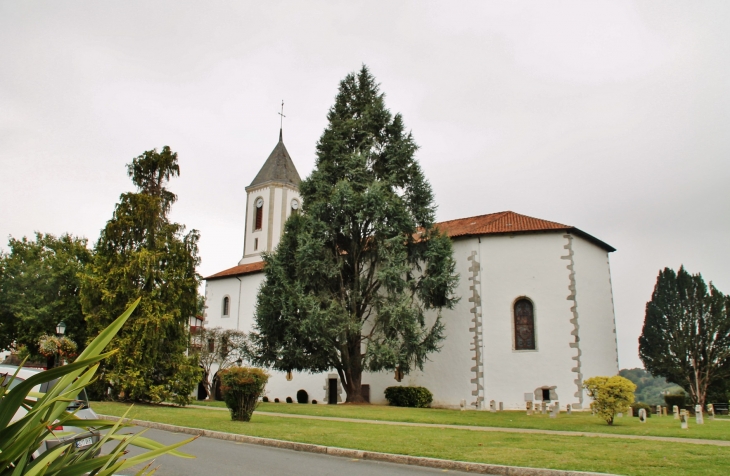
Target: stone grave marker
619, 415
675, 410
462, 404
529, 408
544, 408
501, 406
658, 410
642, 415
683, 420
664, 411
569, 409
492, 406
698, 415
631, 412
710, 411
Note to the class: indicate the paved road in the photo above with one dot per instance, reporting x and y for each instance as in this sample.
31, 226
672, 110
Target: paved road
221, 458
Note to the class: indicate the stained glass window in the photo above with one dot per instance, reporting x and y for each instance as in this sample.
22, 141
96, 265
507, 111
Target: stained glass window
524, 326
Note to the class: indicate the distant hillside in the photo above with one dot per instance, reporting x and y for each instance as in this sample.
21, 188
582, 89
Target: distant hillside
649, 389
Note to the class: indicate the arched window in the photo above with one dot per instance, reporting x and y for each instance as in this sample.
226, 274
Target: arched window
524, 325
259, 214
226, 306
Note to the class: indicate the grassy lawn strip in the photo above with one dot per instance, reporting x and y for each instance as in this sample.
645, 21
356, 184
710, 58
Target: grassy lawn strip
544, 451
578, 421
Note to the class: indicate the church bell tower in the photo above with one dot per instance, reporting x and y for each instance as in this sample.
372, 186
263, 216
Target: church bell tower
270, 199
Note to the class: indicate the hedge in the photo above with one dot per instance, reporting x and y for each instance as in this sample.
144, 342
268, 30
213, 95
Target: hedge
418, 397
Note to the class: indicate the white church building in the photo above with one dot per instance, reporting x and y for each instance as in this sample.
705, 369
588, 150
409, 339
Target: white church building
535, 318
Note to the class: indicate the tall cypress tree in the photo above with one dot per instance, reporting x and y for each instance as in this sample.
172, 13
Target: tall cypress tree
141, 253
351, 284
686, 334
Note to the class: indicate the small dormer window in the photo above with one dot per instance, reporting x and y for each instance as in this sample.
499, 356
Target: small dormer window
259, 214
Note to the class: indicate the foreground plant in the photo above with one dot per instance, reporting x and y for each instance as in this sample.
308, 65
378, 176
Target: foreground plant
21, 440
611, 396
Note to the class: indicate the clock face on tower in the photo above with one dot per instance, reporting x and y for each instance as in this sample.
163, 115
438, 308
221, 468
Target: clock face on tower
259, 203
294, 204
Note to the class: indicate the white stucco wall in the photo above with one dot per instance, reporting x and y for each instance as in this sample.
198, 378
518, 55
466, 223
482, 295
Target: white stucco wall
534, 266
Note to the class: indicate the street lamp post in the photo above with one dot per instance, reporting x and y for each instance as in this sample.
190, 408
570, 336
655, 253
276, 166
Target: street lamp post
60, 331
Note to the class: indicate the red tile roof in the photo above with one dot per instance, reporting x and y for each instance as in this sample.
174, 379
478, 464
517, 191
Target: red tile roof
491, 224
238, 270
510, 223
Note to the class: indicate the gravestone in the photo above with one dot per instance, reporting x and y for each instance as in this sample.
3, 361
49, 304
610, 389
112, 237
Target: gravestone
698, 415
711, 411
658, 410
529, 408
569, 409
557, 408
501, 406
544, 408
631, 412
619, 415
675, 410
462, 404
664, 411
492, 406
683, 420
642, 415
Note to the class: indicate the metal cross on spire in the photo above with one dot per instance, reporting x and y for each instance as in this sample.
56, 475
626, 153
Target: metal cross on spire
281, 122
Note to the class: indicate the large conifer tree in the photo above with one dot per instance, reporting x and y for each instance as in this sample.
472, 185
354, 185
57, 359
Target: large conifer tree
686, 334
355, 274
142, 254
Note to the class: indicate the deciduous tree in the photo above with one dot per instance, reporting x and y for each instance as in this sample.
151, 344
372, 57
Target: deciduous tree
141, 253
39, 287
686, 334
217, 347
360, 276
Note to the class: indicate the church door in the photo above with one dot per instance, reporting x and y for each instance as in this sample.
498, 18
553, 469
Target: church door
365, 390
332, 392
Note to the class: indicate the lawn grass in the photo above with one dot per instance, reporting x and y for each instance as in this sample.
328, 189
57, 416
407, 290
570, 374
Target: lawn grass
630, 457
578, 421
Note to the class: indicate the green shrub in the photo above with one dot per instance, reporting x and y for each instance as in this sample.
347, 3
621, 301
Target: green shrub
418, 397
636, 406
679, 399
265, 399
242, 387
289, 400
611, 395
314, 402
302, 396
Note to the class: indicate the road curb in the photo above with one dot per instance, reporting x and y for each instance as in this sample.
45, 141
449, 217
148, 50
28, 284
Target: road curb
479, 468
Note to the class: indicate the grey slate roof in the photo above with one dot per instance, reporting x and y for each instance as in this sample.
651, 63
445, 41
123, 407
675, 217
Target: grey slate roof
278, 168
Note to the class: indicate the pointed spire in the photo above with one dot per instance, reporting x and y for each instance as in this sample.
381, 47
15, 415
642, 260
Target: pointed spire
278, 167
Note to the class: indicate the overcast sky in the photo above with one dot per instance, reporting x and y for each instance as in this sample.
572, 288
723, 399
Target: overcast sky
613, 117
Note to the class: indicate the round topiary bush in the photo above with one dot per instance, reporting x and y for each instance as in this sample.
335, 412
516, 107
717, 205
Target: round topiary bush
678, 399
289, 400
265, 399
276, 400
418, 397
302, 396
314, 402
241, 388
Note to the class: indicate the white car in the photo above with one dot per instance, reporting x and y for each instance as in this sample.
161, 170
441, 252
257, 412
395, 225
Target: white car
60, 434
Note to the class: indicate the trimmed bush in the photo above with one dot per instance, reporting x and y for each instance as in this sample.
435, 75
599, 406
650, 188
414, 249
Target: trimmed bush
302, 396
679, 399
242, 387
276, 400
417, 397
611, 395
314, 402
636, 406
289, 400
265, 399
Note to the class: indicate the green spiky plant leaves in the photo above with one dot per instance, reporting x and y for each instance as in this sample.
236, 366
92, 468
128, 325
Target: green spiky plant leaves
20, 439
